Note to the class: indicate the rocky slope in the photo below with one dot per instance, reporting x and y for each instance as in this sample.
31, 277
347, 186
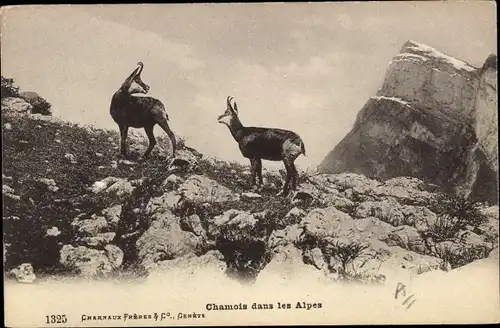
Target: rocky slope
435, 118
71, 208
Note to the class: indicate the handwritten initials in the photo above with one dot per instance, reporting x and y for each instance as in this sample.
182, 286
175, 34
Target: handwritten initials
401, 291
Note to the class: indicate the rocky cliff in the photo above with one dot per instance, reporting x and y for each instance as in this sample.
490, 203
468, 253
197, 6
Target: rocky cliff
435, 118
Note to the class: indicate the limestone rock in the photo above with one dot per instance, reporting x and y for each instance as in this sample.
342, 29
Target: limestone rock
211, 261
23, 273
185, 161
293, 216
49, 183
89, 226
112, 185
54, 231
193, 224
91, 262
9, 192
112, 215
432, 113
406, 237
200, 189
167, 202
321, 223
16, 105
165, 240
99, 240
250, 195
171, 182
233, 224
289, 235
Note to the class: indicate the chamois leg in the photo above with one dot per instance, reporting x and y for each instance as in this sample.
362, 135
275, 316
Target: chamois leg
259, 172
294, 176
253, 172
164, 125
288, 168
152, 141
123, 140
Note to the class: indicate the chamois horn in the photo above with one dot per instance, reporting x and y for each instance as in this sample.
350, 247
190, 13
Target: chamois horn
229, 98
141, 66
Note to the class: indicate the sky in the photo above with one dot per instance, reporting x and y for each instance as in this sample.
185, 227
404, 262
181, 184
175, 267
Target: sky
306, 67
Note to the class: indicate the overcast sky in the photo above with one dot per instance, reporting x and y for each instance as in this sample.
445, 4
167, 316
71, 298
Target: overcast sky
305, 67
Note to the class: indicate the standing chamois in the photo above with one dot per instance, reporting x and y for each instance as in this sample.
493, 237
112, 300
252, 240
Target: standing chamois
257, 143
128, 110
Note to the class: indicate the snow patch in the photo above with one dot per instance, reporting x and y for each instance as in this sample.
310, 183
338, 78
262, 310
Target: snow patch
411, 56
431, 52
399, 100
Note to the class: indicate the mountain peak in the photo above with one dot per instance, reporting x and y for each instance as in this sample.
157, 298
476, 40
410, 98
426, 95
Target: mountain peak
425, 52
423, 122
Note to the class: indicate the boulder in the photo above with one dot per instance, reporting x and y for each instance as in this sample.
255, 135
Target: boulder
16, 105
165, 240
315, 257
287, 265
473, 240
167, 202
290, 235
306, 192
49, 183
189, 265
90, 225
406, 190
70, 157
91, 262
402, 260
250, 196
233, 225
387, 210
193, 224
10, 192
54, 232
326, 222
293, 216
200, 189
373, 228
111, 185
99, 240
23, 273
184, 161
406, 237
112, 215
171, 182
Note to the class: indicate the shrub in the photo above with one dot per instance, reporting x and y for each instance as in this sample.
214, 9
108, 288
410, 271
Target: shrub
40, 105
454, 214
463, 256
345, 253
8, 88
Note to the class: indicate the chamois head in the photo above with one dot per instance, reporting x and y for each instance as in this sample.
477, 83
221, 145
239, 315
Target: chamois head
133, 83
230, 114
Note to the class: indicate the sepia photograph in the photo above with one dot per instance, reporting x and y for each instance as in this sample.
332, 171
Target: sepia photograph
243, 164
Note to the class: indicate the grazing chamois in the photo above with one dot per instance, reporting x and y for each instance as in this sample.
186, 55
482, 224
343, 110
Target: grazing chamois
258, 143
128, 110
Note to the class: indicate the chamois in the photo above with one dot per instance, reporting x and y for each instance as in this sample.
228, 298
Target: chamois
128, 110
258, 143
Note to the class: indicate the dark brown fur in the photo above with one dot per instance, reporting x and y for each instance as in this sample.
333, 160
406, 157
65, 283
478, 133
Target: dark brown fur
257, 143
128, 110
